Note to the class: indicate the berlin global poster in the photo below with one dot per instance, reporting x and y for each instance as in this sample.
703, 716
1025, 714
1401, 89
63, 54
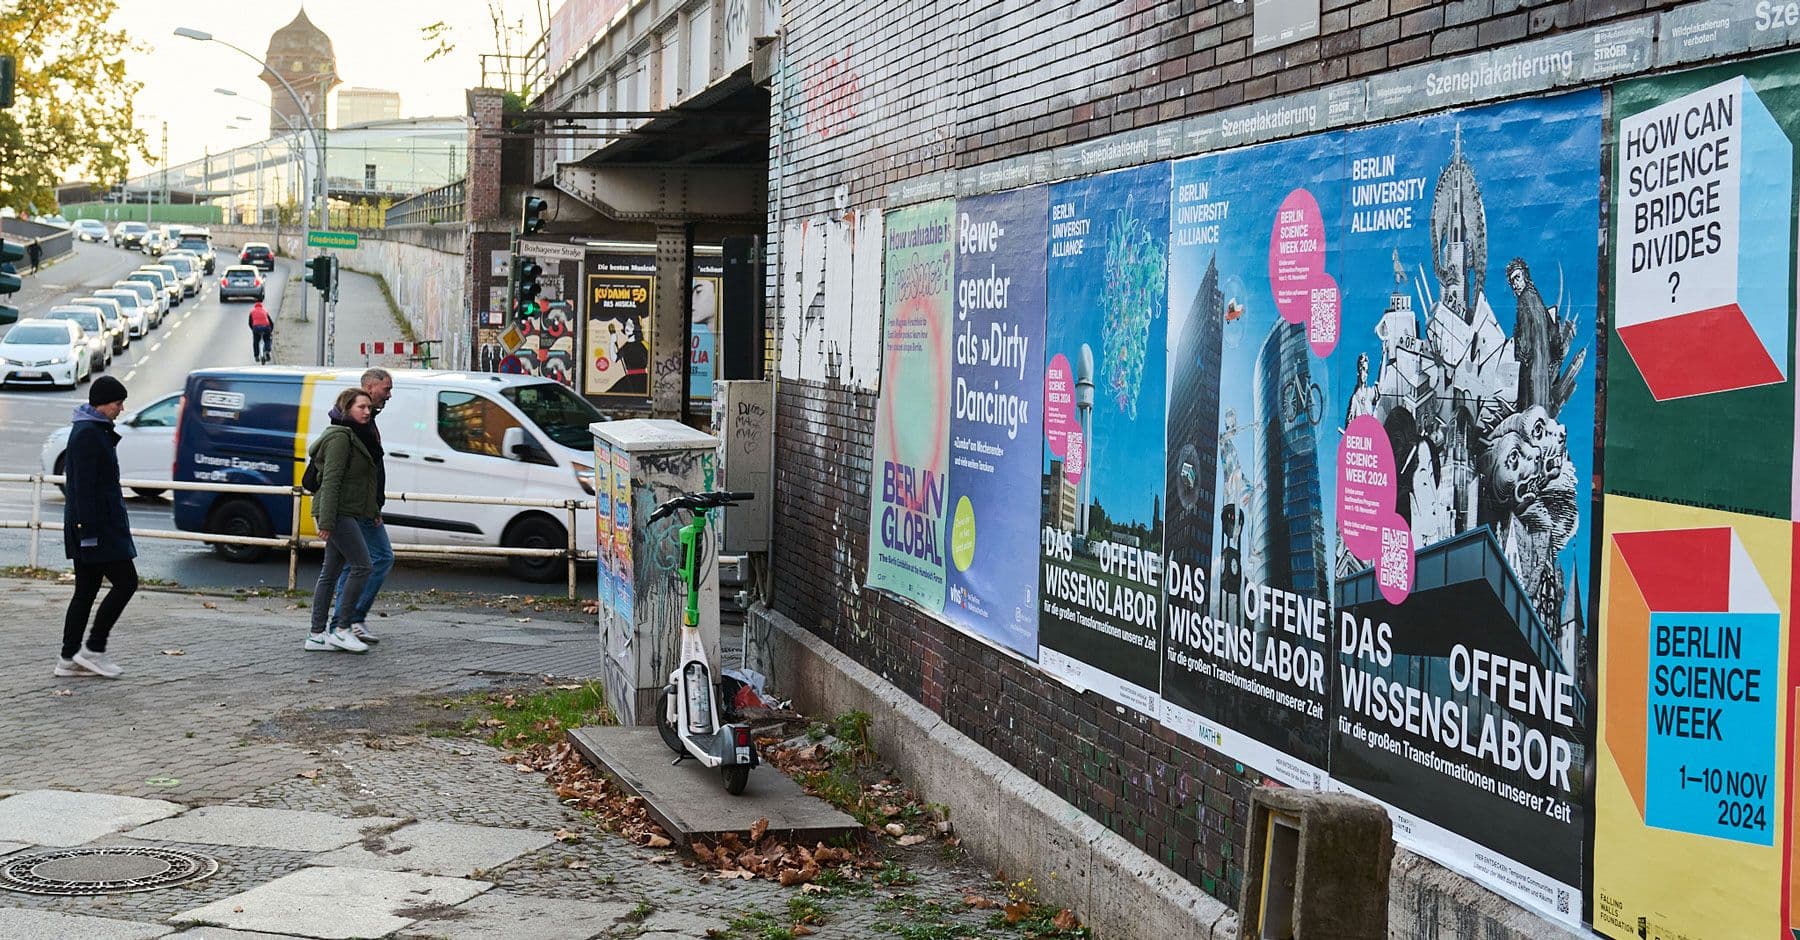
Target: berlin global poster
1247, 666
1464, 443
1695, 640
996, 422
1102, 472
912, 435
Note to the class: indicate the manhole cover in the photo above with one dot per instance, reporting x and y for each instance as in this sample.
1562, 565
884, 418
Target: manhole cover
117, 869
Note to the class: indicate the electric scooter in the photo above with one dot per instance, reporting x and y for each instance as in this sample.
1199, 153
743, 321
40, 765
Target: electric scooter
689, 719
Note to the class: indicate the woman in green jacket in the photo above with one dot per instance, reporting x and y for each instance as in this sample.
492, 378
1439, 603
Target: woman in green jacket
345, 497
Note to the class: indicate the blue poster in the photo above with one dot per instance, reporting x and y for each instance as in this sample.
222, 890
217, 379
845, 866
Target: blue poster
1253, 318
996, 426
1102, 486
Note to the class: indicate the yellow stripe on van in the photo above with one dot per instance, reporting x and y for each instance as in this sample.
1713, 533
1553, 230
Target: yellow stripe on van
302, 440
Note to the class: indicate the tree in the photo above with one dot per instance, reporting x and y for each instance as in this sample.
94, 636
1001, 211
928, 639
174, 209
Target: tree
72, 104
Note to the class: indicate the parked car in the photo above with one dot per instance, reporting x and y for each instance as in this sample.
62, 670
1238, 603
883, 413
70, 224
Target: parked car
444, 432
93, 323
136, 311
163, 281
241, 280
44, 352
116, 327
187, 267
89, 230
115, 308
259, 254
150, 294
146, 443
181, 287
198, 241
130, 235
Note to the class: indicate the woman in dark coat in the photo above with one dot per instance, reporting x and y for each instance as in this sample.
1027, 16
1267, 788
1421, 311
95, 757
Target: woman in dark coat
96, 532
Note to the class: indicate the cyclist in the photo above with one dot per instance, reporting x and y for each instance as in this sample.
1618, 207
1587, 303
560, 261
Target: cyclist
262, 333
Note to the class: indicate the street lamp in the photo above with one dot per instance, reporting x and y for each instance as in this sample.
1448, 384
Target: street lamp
201, 35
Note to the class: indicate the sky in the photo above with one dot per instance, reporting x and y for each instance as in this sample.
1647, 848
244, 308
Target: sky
378, 45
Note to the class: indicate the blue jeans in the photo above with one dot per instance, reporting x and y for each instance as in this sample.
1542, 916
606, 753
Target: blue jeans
381, 561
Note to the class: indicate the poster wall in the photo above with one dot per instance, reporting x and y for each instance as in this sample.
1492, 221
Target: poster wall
703, 338
1247, 465
621, 299
912, 434
548, 347
1100, 624
1695, 690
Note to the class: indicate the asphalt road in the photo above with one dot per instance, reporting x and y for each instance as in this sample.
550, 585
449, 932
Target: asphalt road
198, 334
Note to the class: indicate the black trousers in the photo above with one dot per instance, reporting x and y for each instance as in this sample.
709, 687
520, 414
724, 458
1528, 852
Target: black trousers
124, 578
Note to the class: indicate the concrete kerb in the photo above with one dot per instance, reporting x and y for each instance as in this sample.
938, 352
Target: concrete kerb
1005, 818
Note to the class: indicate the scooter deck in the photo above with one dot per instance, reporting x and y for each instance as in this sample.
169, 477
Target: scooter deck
689, 800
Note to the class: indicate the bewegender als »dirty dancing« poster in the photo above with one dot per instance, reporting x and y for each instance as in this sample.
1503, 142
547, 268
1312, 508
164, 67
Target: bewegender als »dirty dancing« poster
1246, 659
1101, 623
996, 424
1465, 470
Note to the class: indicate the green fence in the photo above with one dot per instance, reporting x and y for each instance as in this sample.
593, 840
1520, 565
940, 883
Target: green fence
140, 212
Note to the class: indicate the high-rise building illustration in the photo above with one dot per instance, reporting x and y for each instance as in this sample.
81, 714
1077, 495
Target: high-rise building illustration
300, 53
1193, 444
1084, 408
1286, 537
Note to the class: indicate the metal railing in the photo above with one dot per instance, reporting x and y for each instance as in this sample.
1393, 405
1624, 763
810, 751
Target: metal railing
293, 542
443, 204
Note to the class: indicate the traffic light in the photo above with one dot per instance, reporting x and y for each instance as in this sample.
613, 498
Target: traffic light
9, 281
8, 72
320, 272
531, 215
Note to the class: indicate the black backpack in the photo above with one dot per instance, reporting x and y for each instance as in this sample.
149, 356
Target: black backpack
313, 478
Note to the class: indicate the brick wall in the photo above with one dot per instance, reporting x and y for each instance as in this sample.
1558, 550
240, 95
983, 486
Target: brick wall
482, 191
871, 94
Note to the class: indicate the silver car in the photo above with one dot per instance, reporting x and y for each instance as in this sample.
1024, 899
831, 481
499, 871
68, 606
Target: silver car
115, 310
151, 294
171, 281
136, 311
187, 268
157, 283
92, 323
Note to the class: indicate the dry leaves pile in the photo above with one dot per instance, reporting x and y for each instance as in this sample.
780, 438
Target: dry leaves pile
767, 856
579, 786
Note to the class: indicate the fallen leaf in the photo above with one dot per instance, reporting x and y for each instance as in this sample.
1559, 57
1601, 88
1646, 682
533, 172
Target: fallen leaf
523, 619
525, 769
980, 903
739, 874
209, 605
759, 829
567, 835
658, 842
63, 692
911, 840
894, 829
308, 774
174, 653
801, 930
1064, 920
1016, 911
578, 864
570, 687
814, 888
664, 860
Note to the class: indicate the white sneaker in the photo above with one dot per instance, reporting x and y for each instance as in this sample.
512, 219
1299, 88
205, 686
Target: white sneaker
360, 630
344, 640
315, 643
69, 668
99, 664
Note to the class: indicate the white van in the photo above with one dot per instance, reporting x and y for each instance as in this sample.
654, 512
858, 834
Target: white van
469, 434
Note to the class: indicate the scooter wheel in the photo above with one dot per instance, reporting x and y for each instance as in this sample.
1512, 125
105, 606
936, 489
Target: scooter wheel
672, 739
737, 777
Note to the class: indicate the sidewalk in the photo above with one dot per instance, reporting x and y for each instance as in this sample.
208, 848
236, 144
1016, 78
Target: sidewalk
363, 316
341, 796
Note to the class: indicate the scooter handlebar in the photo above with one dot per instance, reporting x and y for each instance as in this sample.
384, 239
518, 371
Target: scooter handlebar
694, 501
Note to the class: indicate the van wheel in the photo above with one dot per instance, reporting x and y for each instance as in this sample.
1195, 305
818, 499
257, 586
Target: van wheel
243, 518
150, 493
536, 531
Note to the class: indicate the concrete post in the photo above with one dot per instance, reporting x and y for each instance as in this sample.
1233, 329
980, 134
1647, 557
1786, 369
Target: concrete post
1316, 866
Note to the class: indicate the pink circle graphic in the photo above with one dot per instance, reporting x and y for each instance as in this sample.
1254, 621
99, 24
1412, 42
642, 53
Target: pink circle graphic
1304, 292
1059, 405
1366, 486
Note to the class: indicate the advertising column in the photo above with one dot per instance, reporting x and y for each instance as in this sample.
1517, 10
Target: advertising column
1102, 476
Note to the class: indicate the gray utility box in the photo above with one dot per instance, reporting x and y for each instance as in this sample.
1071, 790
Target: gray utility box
744, 418
1316, 866
638, 464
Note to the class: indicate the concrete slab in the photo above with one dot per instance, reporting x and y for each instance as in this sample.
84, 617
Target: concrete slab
293, 830
438, 848
336, 903
223, 933
501, 916
690, 801
664, 925
8, 848
63, 818
15, 922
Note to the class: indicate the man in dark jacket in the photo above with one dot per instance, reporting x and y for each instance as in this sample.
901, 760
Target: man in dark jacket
379, 383
96, 532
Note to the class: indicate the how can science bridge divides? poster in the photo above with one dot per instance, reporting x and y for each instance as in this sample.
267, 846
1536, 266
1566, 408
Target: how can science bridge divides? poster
1693, 792
1100, 624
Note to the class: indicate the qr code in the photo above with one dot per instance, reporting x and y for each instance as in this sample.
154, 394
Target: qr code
1562, 900
1324, 325
1395, 543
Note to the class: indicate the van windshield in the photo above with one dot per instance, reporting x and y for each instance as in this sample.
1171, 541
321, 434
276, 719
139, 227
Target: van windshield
562, 415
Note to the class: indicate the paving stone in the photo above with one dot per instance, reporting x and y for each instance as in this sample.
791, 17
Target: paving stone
497, 915
293, 830
62, 818
437, 848
337, 903
222, 933
22, 924
680, 924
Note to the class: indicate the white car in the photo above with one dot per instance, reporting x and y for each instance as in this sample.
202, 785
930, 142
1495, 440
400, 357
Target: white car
178, 282
45, 352
149, 294
92, 323
134, 326
136, 311
146, 443
187, 268
158, 283
90, 230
